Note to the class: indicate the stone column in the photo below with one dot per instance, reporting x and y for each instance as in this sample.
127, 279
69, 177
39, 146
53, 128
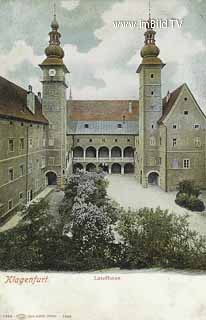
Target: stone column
84, 154
122, 169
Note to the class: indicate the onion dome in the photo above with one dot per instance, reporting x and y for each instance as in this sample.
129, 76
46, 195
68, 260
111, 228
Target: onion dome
54, 49
150, 49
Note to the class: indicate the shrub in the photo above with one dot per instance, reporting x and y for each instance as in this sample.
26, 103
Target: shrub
187, 196
182, 199
195, 204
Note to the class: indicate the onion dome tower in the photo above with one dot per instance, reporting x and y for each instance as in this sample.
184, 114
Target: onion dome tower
150, 107
54, 104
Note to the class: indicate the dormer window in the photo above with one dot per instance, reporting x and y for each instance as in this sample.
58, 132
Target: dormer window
86, 125
119, 125
174, 126
196, 126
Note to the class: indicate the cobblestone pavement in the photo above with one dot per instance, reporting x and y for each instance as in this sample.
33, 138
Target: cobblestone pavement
129, 193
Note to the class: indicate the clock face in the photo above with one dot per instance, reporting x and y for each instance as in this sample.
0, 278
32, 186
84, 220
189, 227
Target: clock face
52, 72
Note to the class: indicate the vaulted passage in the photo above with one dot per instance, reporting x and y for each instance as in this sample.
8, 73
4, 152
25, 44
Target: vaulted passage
104, 167
91, 167
77, 166
128, 168
116, 168
51, 178
153, 178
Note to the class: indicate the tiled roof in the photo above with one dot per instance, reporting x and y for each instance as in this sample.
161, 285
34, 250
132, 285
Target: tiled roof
103, 110
103, 127
13, 103
167, 105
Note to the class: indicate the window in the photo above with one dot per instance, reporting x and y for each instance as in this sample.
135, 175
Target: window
186, 163
11, 174
119, 125
30, 143
10, 204
174, 142
152, 141
78, 140
21, 170
196, 126
197, 141
51, 142
152, 126
11, 145
90, 140
186, 112
21, 194
174, 126
152, 75
22, 124
175, 164
115, 140
86, 125
22, 143
152, 93
11, 123
160, 160
128, 140
160, 141
185, 99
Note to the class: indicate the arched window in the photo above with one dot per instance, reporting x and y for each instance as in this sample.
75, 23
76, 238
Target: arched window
78, 152
116, 152
103, 152
91, 152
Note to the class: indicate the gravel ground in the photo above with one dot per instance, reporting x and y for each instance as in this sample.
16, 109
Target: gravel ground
129, 193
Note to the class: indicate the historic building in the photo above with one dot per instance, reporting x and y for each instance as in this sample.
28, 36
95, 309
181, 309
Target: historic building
43, 139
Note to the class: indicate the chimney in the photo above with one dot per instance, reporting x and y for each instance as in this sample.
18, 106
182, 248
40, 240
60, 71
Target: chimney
31, 100
123, 119
39, 97
30, 88
130, 107
168, 96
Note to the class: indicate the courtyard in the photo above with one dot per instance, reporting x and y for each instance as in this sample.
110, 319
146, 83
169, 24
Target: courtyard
125, 190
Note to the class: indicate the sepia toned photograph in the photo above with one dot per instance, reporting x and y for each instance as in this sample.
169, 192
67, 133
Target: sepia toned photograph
102, 157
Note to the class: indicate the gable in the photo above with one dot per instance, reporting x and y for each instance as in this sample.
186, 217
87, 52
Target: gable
182, 107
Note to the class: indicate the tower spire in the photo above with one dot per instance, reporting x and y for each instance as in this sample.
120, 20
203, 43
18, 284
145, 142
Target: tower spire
149, 9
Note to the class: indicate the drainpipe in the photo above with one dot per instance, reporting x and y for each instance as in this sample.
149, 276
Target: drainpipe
166, 161
27, 160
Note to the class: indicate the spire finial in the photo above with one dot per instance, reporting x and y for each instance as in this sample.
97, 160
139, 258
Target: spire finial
55, 8
149, 9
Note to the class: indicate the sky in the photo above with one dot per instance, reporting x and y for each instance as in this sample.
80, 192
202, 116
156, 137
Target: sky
103, 59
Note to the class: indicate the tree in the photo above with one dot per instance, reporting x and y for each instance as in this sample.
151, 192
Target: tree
157, 238
89, 216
